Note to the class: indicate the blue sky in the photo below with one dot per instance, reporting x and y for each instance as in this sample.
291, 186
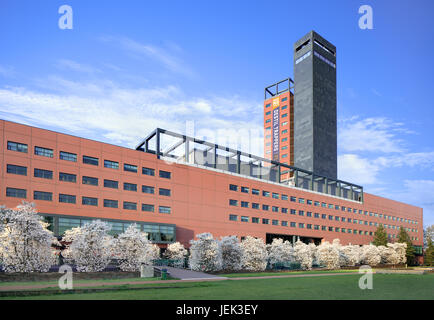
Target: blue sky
128, 67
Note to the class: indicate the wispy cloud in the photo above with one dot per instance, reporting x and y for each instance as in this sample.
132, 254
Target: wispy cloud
66, 64
165, 57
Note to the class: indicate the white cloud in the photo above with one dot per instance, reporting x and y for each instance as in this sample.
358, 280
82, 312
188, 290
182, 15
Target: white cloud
104, 110
370, 135
353, 168
159, 54
75, 66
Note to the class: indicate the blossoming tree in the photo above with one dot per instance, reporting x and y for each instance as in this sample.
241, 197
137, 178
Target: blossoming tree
205, 253
91, 247
176, 251
25, 241
133, 249
231, 253
254, 254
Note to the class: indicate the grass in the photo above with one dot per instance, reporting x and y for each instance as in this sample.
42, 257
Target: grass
282, 273
35, 283
386, 286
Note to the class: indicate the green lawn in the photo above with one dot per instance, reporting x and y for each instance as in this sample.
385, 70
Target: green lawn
282, 273
386, 286
34, 283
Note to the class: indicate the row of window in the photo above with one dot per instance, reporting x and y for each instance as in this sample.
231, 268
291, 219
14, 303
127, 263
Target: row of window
281, 100
67, 156
265, 207
285, 197
68, 177
301, 225
89, 201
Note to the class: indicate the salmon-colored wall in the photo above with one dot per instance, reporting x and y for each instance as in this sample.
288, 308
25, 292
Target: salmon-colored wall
199, 199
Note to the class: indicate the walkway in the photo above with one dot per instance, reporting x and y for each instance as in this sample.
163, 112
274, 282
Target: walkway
186, 274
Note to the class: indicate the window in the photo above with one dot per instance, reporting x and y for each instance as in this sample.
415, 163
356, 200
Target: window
284, 115
292, 224
267, 113
330, 206
13, 169
323, 228
233, 202
337, 229
244, 219
255, 220
245, 189
275, 222
255, 192
308, 214
130, 205
301, 225
67, 198
330, 217
110, 203
275, 195
284, 223
284, 123
165, 174
284, 210
68, 177
233, 187
275, 209
233, 217
68, 156
265, 221
130, 167
336, 218
268, 121
300, 200
147, 207
293, 211
244, 204
268, 105
323, 216
111, 184
265, 207
265, 193
285, 155
90, 160
323, 204
284, 131
316, 203
284, 139
15, 146
330, 228
148, 189
316, 215
316, 227
148, 171
164, 192
41, 195
337, 207
163, 209
111, 164
90, 181
300, 212
130, 186
16, 193
87, 201
284, 197
255, 205
39, 151
293, 199
41, 173
284, 99
308, 226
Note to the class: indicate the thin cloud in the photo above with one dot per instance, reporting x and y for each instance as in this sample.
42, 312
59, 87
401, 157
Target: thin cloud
75, 66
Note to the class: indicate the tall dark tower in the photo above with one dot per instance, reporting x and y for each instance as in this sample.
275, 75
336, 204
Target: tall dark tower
315, 144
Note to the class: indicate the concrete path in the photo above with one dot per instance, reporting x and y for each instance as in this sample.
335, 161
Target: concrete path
186, 274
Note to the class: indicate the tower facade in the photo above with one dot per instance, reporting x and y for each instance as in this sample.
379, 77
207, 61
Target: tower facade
315, 132
279, 122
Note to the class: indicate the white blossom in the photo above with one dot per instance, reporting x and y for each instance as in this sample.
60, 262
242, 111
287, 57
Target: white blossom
25, 242
205, 253
328, 255
176, 251
280, 251
352, 256
303, 255
133, 249
254, 254
91, 247
231, 253
370, 255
